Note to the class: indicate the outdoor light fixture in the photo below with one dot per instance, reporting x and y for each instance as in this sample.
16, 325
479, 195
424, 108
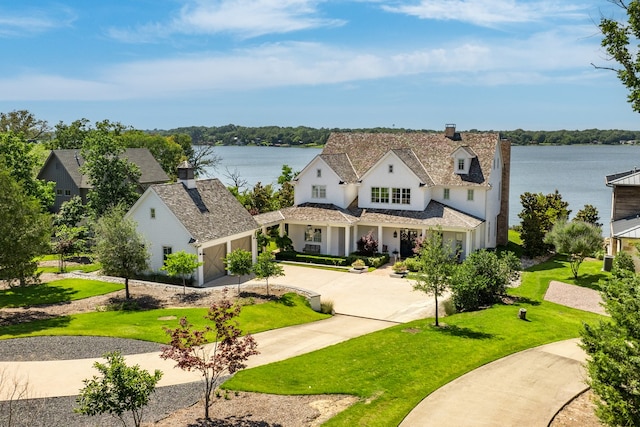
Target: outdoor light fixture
395, 234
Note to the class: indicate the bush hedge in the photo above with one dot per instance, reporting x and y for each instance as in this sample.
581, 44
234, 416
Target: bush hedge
371, 261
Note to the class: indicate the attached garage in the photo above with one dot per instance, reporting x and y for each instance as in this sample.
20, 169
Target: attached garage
243, 243
213, 263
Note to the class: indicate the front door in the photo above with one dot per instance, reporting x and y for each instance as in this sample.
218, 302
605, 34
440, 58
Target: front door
407, 242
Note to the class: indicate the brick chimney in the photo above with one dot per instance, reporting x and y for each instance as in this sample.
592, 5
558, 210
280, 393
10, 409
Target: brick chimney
450, 131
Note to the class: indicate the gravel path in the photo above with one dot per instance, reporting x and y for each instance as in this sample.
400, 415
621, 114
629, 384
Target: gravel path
575, 296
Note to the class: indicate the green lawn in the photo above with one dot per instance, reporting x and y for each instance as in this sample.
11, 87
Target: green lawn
290, 310
394, 369
57, 291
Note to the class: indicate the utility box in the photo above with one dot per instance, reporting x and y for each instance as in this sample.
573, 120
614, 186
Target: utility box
607, 263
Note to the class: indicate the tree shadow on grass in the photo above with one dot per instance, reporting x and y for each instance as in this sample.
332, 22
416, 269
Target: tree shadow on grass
457, 331
591, 281
29, 296
553, 263
143, 302
19, 323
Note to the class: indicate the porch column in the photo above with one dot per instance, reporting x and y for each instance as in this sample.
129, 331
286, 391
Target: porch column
254, 248
347, 240
329, 240
380, 242
228, 252
468, 248
281, 229
200, 253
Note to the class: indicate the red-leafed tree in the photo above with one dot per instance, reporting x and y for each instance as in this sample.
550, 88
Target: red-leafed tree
213, 351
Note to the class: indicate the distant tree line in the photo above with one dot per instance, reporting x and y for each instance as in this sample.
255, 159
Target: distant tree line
308, 136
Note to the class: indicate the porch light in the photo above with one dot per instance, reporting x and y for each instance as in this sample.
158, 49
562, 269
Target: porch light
395, 234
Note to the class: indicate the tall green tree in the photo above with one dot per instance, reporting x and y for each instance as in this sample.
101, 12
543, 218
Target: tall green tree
24, 233
181, 264
613, 350
588, 214
266, 267
286, 191
239, 263
539, 213
119, 389
119, 247
16, 156
24, 123
437, 262
165, 150
70, 136
113, 178
577, 239
620, 40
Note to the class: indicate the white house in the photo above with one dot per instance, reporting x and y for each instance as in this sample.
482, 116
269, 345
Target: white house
398, 186
199, 217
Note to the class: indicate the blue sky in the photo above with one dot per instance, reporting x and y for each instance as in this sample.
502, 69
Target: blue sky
482, 64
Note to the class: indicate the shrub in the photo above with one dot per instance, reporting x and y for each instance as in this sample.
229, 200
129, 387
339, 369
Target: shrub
399, 267
413, 264
358, 264
326, 307
367, 245
622, 262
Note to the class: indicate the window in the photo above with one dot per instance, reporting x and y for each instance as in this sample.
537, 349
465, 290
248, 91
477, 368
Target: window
390, 168
319, 191
460, 164
447, 194
379, 195
313, 234
152, 213
67, 192
58, 192
470, 195
319, 173
166, 251
401, 196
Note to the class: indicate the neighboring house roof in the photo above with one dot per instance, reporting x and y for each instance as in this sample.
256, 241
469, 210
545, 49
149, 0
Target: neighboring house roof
150, 170
432, 150
208, 212
627, 227
631, 177
435, 214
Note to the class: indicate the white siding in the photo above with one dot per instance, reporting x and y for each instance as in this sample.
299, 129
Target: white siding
335, 193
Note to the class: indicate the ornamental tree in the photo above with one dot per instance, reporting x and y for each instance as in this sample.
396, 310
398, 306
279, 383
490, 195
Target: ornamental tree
613, 350
539, 213
181, 264
577, 239
213, 351
239, 263
119, 390
436, 265
266, 267
119, 247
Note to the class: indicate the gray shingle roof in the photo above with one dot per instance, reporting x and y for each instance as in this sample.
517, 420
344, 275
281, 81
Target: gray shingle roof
432, 150
409, 158
435, 214
627, 227
150, 170
631, 177
208, 211
341, 165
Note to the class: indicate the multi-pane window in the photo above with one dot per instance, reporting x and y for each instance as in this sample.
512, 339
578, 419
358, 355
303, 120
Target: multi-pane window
390, 168
166, 251
379, 195
67, 192
401, 196
152, 213
460, 164
470, 195
59, 192
319, 173
313, 234
447, 194
319, 191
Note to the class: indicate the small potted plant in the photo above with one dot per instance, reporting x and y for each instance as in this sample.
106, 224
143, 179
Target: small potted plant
358, 266
399, 269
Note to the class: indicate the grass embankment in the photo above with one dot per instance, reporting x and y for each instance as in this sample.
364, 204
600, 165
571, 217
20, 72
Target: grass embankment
291, 309
394, 369
55, 292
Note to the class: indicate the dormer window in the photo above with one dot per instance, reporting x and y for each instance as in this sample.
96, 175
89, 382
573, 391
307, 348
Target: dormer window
462, 159
461, 165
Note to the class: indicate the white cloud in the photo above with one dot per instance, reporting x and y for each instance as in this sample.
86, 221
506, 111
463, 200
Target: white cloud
562, 53
243, 18
33, 21
489, 13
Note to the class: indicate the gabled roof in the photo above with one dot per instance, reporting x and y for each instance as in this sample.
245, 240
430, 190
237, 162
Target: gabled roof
410, 159
313, 213
433, 151
150, 170
342, 166
631, 177
208, 212
467, 150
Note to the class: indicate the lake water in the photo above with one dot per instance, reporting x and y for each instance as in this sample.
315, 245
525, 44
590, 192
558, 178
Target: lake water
576, 171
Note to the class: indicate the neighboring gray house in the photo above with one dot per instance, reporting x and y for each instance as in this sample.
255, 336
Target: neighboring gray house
625, 211
198, 217
63, 168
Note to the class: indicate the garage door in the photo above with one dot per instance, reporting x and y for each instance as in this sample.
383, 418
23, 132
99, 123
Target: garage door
213, 264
